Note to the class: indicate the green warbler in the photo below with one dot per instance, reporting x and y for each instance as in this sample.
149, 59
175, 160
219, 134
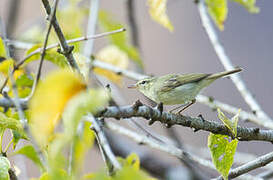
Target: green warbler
172, 89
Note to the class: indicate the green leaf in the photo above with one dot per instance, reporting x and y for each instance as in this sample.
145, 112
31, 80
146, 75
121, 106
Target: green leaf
16, 136
230, 124
51, 55
24, 85
24, 80
218, 11
11, 123
222, 152
30, 153
4, 168
3, 53
119, 39
250, 5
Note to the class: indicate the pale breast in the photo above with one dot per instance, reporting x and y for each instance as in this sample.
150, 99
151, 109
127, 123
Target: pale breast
179, 95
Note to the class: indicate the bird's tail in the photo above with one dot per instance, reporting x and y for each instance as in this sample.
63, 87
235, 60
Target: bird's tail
225, 73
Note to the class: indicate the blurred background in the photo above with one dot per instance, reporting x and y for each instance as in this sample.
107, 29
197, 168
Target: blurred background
247, 39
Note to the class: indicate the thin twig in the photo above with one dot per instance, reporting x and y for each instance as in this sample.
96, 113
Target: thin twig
139, 110
259, 162
123, 72
19, 64
23, 120
84, 38
51, 17
225, 60
66, 49
177, 152
154, 144
91, 26
104, 145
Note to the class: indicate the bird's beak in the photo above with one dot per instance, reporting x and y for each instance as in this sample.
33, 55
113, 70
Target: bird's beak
132, 86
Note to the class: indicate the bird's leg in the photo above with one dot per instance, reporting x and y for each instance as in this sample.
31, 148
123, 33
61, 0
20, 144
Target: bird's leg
192, 102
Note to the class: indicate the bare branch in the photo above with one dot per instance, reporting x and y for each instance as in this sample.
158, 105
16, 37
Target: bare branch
23, 120
68, 42
67, 50
225, 60
91, 26
107, 153
257, 163
51, 17
163, 147
139, 110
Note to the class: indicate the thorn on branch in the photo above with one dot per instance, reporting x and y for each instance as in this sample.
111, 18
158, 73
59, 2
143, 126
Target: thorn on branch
69, 51
151, 121
256, 130
201, 117
195, 129
136, 105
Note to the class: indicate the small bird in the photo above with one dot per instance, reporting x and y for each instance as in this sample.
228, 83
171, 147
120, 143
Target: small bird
173, 89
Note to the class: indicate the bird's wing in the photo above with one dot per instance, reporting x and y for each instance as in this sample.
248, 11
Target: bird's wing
178, 80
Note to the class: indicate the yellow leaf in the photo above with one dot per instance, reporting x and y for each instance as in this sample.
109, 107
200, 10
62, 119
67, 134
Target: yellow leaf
158, 13
218, 11
49, 100
112, 55
5, 67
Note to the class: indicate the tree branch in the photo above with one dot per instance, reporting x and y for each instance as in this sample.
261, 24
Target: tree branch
106, 151
139, 110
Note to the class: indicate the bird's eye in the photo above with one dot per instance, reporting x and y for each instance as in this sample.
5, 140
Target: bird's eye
143, 82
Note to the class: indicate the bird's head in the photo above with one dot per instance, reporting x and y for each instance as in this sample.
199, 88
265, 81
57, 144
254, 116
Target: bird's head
143, 85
